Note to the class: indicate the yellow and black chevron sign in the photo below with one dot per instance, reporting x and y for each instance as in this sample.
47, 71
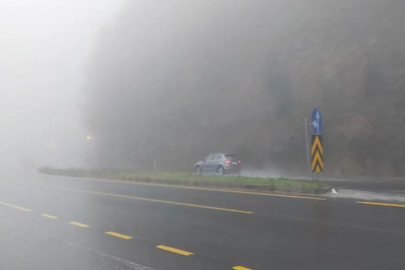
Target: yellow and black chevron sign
317, 154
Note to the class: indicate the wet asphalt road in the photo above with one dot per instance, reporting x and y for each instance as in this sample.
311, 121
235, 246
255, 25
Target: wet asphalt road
49, 222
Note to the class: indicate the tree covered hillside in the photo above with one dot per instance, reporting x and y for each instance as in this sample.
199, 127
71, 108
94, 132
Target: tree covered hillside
174, 80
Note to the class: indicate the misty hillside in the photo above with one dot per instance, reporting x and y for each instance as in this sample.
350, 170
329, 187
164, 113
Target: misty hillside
174, 80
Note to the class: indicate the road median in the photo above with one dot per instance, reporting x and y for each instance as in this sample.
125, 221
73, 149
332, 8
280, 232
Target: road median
208, 181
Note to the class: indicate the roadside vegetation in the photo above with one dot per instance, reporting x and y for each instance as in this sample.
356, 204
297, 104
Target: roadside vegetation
182, 178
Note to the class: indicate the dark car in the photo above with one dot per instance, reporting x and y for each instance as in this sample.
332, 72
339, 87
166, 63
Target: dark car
219, 164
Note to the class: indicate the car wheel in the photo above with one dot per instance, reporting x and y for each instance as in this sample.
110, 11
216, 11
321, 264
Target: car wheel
197, 170
220, 171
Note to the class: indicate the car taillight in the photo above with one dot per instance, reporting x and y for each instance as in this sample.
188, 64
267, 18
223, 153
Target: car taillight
227, 162
240, 162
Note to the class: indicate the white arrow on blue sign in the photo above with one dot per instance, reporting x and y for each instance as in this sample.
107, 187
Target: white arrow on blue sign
316, 122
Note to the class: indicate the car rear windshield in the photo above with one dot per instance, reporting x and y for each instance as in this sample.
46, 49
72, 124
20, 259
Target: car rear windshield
231, 157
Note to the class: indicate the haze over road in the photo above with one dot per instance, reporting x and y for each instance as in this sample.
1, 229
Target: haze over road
49, 222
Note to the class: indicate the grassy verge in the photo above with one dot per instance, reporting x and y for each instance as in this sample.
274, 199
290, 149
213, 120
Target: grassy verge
190, 179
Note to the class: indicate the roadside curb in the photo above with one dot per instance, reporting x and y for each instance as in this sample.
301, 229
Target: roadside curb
230, 185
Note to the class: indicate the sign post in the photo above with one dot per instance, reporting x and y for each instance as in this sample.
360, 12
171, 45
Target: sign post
307, 146
317, 147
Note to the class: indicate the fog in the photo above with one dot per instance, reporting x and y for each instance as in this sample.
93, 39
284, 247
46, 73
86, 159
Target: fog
168, 82
44, 48
173, 81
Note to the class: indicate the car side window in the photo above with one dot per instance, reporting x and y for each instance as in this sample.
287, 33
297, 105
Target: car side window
217, 157
209, 157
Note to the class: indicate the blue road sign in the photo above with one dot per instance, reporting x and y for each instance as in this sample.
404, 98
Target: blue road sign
316, 122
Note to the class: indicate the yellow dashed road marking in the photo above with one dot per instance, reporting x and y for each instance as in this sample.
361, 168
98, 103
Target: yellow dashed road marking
16, 207
81, 225
383, 204
175, 250
241, 268
49, 216
122, 236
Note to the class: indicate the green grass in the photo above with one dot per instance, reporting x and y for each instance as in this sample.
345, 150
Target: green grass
186, 178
